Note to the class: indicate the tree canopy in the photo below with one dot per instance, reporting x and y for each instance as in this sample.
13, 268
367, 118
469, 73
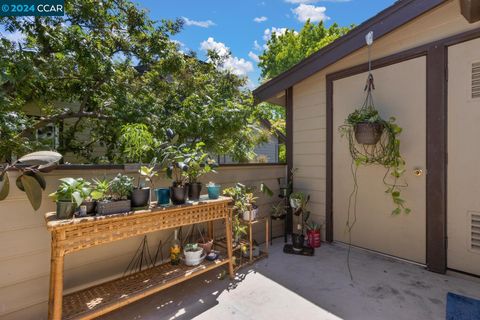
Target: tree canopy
106, 64
287, 49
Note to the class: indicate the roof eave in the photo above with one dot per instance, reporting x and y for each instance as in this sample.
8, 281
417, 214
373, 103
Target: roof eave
402, 12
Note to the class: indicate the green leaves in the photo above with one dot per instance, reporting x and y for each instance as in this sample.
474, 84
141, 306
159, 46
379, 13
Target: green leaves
40, 158
33, 190
4, 186
385, 153
72, 190
136, 142
287, 49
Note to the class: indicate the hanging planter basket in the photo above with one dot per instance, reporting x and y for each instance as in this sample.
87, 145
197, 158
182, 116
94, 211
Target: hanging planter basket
368, 133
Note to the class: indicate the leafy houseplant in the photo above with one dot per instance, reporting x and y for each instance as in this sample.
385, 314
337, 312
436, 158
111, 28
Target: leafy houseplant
137, 144
199, 163
173, 159
373, 141
385, 152
30, 179
299, 202
69, 195
367, 125
243, 201
116, 198
141, 193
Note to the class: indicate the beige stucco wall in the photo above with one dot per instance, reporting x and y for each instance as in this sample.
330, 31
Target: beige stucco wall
25, 241
309, 96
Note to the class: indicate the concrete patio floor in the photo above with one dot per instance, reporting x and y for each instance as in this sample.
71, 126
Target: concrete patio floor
293, 287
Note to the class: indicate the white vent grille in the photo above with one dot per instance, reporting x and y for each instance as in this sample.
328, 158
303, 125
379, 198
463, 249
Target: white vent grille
475, 80
475, 231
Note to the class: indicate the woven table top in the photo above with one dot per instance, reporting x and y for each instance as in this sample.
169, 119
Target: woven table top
54, 223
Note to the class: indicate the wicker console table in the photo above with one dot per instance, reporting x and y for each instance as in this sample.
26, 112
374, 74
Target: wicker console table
76, 234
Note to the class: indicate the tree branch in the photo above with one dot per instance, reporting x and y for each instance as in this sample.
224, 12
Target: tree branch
67, 115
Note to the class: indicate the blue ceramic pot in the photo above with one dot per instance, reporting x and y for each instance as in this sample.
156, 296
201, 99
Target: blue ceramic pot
213, 191
163, 196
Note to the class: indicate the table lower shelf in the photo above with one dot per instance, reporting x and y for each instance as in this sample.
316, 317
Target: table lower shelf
103, 298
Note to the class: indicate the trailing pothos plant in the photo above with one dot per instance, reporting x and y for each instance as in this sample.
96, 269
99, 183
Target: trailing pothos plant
385, 151
30, 179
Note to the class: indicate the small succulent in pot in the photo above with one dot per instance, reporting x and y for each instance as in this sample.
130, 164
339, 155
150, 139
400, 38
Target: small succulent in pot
120, 188
313, 234
199, 163
70, 195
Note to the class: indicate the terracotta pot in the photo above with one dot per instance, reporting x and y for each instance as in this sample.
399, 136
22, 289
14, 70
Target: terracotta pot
314, 238
368, 133
206, 244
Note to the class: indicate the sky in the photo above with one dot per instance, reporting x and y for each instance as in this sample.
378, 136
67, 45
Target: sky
243, 26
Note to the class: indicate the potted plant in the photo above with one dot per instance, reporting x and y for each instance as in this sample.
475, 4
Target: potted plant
299, 202
141, 193
213, 190
240, 205
98, 189
199, 163
246, 250
206, 243
70, 195
379, 144
117, 197
278, 210
367, 125
313, 234
193, 254
244, 200
174, 160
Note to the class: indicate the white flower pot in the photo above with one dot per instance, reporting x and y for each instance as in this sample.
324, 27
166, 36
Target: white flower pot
194, 258
250, 215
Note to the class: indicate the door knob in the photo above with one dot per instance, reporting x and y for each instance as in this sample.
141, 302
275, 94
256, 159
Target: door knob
418, 172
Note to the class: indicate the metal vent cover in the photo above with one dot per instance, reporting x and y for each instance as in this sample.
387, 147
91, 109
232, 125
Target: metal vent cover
475, 80
475, 231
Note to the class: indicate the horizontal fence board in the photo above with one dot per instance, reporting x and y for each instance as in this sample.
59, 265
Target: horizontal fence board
25, 241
